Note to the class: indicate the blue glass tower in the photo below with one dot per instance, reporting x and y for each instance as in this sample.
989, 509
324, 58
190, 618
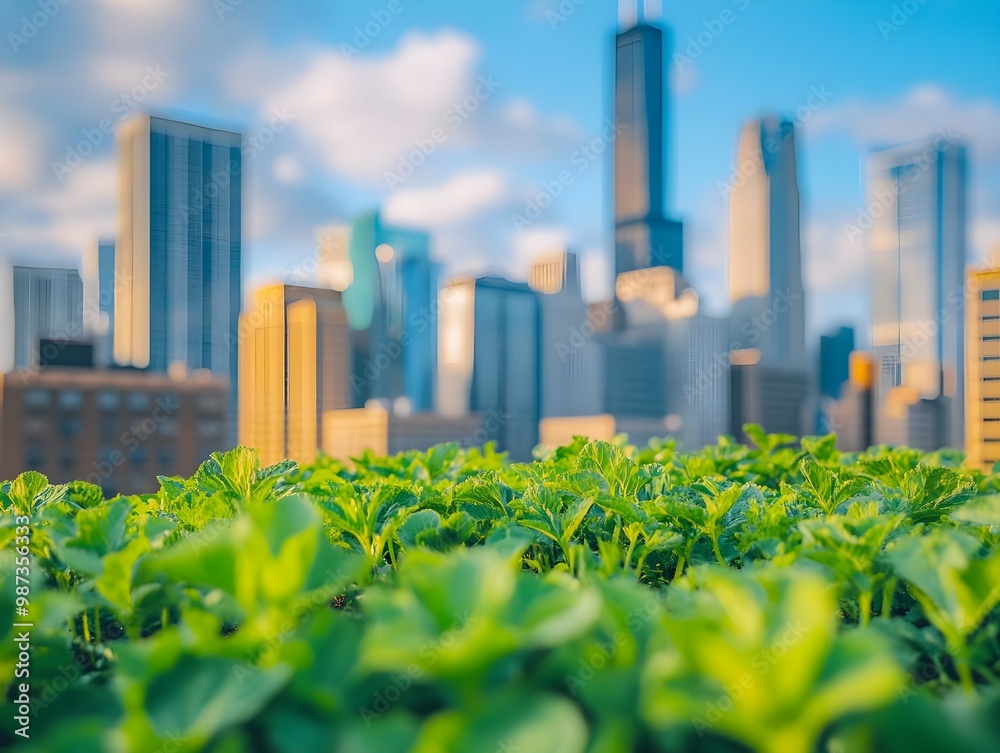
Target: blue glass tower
179, 249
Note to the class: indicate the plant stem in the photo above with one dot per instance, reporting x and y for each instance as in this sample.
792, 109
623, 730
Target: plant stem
888, 591
965, 673
718, 552
97, 623
864, 608
86, 627
679, 570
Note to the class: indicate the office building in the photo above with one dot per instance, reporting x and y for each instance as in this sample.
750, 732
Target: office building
295, 365
770, 395
490, 359
917, 198
117, 428
666, 373
179, 249
644, 237
852, 413
48, 303
765, 255
98, 274
572, 378
982, 353
389, 304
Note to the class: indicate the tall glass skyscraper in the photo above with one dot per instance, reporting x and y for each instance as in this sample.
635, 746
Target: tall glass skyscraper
644, 237
765, 253
179, 249
48, 303
389, 304
99, 298
917, 197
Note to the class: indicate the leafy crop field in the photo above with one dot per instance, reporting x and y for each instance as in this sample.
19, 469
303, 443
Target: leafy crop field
780, 598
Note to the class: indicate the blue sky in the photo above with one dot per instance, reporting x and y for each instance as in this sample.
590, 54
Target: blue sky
890, 72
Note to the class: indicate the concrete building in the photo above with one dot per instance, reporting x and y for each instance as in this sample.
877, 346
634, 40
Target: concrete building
295, 365
48, 303
178, 256
917, 197
117, 428
982, 363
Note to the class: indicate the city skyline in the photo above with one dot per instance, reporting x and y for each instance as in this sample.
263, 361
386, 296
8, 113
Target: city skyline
841, 119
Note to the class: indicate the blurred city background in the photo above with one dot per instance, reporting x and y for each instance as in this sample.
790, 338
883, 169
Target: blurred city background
326, 227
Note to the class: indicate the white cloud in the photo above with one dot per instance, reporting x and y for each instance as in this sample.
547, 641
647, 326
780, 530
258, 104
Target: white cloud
287, 169
359, 115
22, 139
918, 114
457, 200
536, 241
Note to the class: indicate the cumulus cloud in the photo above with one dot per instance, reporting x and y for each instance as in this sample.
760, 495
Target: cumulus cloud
458, 199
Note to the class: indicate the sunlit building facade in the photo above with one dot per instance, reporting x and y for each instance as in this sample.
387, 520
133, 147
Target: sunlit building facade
917, 199
179, 248
490, 357
99, 298
765, 255
982, 355
295, 365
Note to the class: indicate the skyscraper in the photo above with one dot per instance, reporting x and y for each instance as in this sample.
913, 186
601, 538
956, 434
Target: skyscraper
393, 285
643, 235
178, 257
982, 397
765, 256
917, 244
834, 369
295, 364
48, 302
572, 383
490, 360
99, 298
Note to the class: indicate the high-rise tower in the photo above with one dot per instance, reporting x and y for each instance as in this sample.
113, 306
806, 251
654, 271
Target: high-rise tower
644, 237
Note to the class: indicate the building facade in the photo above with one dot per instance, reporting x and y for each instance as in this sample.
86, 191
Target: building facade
295, 365
179, 249
99, 298
48, 303
917, 198
117, 428
982, 354
765, 255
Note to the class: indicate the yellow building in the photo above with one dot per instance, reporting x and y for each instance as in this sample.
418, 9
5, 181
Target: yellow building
982, 358
295, 364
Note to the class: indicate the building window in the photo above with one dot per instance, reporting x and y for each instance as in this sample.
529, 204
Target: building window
108, 427
71, 400
990, 295
991, 358
211, 403
37, 399
107, 400
34, 456
139, 457
67, 458
209, 427
990, 318
165, 458
991, 399
991, 338
70, 427
138, 402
